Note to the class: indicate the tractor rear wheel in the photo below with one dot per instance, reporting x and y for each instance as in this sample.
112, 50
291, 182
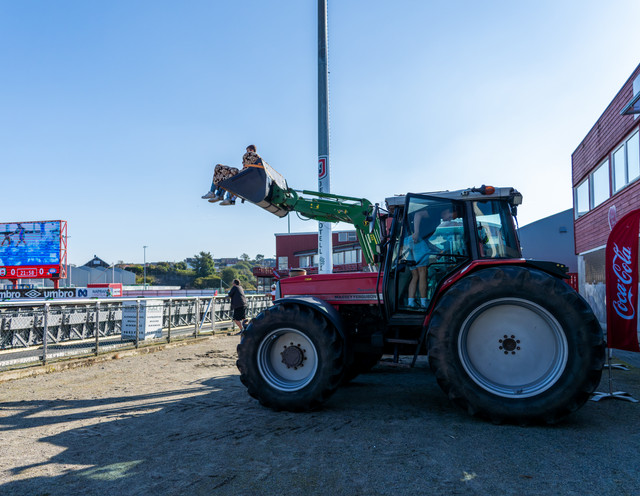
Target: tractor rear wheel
290, 358
514, 344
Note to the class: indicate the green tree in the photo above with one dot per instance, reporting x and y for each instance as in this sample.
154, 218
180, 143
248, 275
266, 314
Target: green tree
210, 282
244, 257
243, 266
259, 258
203, 264
140, 279
228, 274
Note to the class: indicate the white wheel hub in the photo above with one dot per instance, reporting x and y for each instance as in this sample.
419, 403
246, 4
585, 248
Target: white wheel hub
513, 348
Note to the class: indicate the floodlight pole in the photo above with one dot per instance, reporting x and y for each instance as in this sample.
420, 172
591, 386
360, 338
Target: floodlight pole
325, 241
145, 267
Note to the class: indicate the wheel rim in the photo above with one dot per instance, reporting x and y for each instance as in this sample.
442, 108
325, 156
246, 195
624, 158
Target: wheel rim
287, 359
513, 348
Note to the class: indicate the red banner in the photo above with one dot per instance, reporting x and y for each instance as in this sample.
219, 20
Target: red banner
622, 283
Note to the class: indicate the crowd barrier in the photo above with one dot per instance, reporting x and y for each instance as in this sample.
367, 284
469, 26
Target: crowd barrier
33, 333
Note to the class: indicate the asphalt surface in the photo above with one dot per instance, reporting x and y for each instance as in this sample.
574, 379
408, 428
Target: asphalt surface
179, 421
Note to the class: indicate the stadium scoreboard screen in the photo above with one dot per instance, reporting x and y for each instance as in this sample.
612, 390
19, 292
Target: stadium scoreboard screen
33, 250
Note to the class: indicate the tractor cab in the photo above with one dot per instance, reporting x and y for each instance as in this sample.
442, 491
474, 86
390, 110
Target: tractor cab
433, 235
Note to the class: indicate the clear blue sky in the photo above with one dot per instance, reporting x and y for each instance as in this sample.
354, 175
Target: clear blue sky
113, 113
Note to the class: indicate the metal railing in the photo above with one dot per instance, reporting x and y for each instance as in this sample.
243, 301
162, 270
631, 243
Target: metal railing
34, 333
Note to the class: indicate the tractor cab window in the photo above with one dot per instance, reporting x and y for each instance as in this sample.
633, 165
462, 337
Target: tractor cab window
431, 242
496, 233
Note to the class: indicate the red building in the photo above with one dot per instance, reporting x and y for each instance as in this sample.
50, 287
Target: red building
605, 173
300, 251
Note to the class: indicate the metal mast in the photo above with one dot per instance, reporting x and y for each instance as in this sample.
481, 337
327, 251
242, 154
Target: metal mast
325, 241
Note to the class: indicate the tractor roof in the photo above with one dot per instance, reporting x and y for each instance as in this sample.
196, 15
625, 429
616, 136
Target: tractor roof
471, 194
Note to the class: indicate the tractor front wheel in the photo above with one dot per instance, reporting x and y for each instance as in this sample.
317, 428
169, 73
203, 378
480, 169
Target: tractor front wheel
290, 358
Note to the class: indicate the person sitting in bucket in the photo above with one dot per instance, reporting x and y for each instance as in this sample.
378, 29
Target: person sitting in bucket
222, 172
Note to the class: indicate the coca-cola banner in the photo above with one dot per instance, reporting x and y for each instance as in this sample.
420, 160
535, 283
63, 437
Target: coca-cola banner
622, 283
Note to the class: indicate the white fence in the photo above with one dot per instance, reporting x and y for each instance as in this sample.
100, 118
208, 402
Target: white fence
35, 332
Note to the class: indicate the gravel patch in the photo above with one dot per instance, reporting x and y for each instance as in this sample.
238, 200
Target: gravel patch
178, 421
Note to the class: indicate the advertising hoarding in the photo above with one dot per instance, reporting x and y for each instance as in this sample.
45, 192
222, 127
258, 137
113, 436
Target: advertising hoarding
33, 249
104, 290
145, 319
114, 290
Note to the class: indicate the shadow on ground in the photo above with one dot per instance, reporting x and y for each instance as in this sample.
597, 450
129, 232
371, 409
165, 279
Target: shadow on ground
388, 432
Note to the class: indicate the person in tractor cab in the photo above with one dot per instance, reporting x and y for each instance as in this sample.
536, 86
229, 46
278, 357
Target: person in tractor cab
222, 172
424, 224
417, 252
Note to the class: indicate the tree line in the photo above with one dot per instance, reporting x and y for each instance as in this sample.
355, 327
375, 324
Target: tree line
198, 272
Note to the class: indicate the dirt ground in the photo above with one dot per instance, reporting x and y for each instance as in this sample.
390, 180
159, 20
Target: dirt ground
179, 421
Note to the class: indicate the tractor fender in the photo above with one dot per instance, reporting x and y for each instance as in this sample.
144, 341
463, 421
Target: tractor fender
318, 305
553, 269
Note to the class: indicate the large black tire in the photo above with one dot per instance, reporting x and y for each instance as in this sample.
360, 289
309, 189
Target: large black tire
514, 344
290, 358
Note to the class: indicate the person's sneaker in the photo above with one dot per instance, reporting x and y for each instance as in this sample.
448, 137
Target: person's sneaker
210, 194
226, 202
215, 199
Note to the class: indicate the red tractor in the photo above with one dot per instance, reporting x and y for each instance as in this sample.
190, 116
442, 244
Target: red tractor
507, 338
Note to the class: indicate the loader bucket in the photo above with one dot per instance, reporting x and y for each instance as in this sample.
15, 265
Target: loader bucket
258, 185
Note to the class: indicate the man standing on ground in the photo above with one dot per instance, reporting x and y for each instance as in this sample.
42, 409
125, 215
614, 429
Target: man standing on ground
238, 304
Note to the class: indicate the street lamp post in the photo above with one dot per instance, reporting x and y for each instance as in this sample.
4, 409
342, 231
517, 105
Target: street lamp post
145, 266
325, 241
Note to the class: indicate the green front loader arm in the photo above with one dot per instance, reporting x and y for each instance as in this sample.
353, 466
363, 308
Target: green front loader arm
269, 190
326, 207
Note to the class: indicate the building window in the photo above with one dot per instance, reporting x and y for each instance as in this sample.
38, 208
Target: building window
619, 172
633, 157
353, 256
347, 257
308, 261
343, 237
283, 263
600, 184
626, 162
582, 198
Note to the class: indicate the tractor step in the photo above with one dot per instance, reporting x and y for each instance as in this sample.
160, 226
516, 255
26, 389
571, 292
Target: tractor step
402, 341
406, 319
